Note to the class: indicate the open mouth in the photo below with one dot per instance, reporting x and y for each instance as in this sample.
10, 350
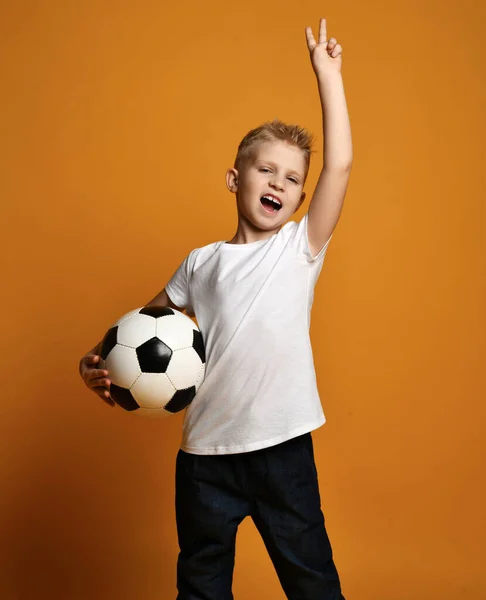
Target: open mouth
270, 204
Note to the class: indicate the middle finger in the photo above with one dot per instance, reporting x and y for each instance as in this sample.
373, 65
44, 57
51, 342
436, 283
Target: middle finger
96, 373
99, 381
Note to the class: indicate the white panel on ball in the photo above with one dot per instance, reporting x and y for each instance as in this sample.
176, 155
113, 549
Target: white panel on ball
184, 367
169, 330
122, 365
136, 330
183, 316
126, 316
152, 390
152, 412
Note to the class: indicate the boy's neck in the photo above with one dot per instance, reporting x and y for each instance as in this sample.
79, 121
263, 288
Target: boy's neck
247, 232
256, 235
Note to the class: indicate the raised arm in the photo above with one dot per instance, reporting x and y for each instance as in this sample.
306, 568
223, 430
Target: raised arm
328, 198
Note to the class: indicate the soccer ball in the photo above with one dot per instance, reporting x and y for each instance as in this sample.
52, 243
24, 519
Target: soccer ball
155, 360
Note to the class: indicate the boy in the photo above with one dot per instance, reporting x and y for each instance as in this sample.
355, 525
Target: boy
246, 446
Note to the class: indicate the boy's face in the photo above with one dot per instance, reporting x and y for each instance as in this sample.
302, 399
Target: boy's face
273, 168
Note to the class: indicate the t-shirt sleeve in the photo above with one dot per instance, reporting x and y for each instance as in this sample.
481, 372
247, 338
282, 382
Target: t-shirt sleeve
303, 242
178, 286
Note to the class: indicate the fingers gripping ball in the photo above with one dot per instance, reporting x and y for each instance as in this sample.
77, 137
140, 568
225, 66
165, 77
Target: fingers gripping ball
155, 360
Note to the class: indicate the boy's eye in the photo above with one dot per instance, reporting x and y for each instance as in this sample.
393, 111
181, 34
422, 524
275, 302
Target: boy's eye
265, 170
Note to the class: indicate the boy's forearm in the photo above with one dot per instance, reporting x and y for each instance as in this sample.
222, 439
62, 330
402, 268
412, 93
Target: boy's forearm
328, 197
338, 147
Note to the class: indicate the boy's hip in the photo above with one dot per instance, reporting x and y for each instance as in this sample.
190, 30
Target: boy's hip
268, 471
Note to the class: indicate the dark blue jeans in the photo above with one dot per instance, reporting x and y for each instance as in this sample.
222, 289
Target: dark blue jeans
277, 487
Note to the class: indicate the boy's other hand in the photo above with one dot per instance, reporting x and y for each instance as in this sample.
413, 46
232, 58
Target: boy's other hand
95, 378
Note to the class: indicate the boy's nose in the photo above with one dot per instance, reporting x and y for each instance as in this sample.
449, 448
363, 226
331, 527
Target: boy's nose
277, 184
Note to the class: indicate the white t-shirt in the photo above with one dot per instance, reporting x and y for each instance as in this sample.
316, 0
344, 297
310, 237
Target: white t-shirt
252, 303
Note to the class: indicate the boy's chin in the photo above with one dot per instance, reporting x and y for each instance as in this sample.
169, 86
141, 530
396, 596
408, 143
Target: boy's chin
268, 222
272, 214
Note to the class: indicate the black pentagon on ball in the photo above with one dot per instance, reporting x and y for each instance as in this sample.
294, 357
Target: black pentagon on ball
180, 399
123, 397
156, 311
154, 356
197, 344
108, 342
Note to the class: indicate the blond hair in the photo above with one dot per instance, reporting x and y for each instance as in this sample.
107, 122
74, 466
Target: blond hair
272, 131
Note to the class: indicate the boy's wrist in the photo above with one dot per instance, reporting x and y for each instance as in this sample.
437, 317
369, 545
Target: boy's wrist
327, 79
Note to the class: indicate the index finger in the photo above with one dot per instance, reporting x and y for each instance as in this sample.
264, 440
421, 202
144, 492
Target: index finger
311, 42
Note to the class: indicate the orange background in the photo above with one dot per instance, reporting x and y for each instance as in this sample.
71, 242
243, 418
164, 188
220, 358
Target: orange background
118, 122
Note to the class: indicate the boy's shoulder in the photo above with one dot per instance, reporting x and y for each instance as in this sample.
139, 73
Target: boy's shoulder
205, 250
200, 254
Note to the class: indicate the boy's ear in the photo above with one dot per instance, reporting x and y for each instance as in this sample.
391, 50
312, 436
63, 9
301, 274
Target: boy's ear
302, 198
232, 180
